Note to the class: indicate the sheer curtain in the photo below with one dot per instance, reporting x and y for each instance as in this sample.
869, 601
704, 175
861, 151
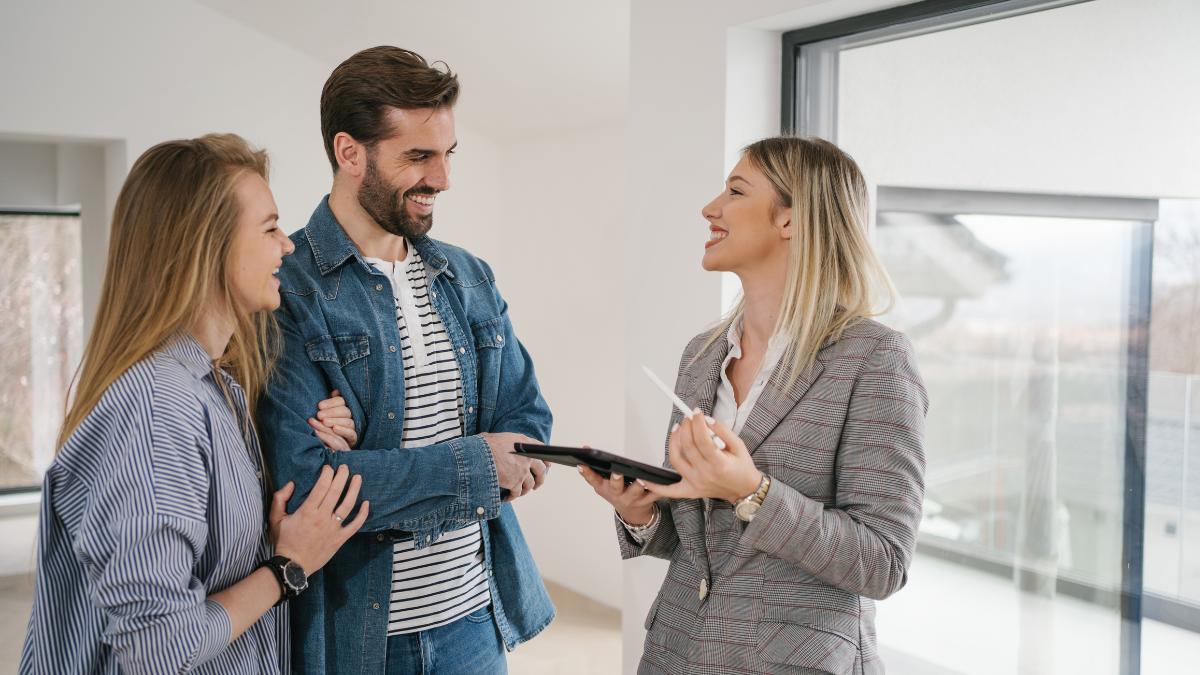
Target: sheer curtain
41, 338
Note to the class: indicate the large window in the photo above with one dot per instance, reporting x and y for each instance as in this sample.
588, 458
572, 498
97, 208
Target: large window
1043, 230
42, 334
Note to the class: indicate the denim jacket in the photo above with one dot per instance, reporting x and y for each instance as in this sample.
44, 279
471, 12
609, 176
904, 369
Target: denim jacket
338, 326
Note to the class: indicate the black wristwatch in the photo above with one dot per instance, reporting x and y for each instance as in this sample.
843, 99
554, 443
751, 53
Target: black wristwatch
291, 576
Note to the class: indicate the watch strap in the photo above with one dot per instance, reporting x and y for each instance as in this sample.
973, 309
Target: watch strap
276, 565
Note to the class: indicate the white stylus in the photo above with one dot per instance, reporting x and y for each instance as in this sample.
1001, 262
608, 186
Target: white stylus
681, 405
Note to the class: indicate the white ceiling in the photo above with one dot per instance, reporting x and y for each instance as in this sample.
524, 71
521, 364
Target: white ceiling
528, 67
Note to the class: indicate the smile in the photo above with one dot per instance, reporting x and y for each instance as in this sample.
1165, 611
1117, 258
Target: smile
715, 237
423, 200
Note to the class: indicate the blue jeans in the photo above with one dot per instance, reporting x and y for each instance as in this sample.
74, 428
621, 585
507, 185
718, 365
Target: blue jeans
469, 646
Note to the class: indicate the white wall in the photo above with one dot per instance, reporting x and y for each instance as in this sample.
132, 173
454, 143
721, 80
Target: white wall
471, 213
1098, 98
28, 174
561, 270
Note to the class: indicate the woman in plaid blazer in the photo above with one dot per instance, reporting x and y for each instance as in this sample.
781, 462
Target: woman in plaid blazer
782, 533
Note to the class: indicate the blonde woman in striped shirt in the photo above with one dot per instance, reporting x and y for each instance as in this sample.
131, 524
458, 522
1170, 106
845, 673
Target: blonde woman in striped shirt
153, 556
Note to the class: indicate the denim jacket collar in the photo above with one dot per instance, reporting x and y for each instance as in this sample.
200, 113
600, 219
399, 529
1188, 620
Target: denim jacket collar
332, 247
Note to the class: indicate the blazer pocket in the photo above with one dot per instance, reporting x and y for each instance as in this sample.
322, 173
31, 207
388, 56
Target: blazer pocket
649, 623
349, 354
805, 646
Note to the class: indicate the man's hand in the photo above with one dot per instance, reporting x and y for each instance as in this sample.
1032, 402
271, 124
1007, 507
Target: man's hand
519, 475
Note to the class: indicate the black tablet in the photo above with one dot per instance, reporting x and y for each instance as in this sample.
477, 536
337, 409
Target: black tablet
599, 461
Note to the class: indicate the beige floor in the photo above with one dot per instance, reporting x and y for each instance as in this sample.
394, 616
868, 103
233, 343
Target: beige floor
585, 639
16, 599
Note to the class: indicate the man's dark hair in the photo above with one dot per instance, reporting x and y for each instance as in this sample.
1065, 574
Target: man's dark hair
360, 90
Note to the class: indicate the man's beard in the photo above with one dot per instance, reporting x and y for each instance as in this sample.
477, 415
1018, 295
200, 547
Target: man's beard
386, 205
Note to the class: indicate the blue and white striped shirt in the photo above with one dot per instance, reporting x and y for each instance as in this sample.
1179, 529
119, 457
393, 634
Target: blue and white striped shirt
154, 503
444, 581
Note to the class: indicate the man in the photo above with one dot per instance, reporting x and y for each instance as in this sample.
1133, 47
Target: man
416, 338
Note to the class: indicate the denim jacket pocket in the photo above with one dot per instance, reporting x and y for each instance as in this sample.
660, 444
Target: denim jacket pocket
489, 346
347, 353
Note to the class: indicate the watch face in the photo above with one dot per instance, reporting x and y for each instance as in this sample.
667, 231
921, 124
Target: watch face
295, 577
746, 510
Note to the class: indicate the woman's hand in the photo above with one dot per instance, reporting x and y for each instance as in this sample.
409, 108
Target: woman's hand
315, 531
334, 424
727, 474
632, 502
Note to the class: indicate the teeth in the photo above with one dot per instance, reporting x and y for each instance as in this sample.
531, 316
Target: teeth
717, 235
422, 200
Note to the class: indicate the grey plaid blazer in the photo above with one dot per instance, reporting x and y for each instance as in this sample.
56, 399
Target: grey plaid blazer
792, 591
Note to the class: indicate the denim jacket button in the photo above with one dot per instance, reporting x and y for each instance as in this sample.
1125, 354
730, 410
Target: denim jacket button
471, 409
391, 416
480, 510
379, 537
392, 348
500, 339
379, 287
433, 294
462, 350
375, 605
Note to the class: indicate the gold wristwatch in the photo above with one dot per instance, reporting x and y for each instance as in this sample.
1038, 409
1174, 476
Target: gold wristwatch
747, 506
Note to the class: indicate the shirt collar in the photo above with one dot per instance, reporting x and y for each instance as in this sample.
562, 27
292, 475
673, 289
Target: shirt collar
184, 348
331, 246
775, 346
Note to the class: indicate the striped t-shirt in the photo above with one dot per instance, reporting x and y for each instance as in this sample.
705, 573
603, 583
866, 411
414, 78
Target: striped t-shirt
444, 581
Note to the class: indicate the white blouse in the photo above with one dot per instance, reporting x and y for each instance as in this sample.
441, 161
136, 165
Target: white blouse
725, 409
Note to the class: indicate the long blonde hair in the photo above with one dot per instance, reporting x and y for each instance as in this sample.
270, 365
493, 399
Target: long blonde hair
834, 278
172, 230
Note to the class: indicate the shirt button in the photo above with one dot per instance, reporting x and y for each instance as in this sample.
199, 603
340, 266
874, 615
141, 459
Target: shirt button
374, 605
703, 588
392, 348
462, 350
379, 287
480, 510
391, 416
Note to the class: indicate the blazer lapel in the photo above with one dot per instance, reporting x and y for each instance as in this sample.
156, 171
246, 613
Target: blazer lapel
776, 402
688, 514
